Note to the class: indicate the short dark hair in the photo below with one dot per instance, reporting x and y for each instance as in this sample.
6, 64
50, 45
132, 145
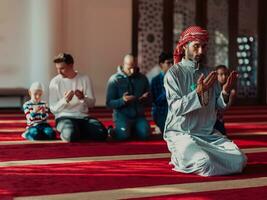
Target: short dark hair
64, 58
165, 56
221, 67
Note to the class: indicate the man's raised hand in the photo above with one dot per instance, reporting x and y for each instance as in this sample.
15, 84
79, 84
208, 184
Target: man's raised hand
69, 95
227, 87
203, 84
79, 94
128, 98
144, 97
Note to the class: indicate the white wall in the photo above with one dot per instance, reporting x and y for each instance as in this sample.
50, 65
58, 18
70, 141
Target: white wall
96, 32
46, 38
14, 46
14, 43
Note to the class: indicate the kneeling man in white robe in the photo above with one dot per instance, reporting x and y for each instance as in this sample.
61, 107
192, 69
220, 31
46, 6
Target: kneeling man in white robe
194, 96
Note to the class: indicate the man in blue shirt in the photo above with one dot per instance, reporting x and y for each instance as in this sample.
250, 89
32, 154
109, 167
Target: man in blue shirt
160, 105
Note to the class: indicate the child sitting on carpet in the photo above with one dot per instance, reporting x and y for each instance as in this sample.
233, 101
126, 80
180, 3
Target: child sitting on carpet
36, 112
222, 75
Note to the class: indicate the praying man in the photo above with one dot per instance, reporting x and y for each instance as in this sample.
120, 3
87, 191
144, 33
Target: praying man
194, 96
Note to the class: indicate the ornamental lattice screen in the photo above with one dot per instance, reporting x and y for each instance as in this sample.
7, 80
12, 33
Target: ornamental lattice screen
247, 54
184, 15
217, 25
150, 42
150, 33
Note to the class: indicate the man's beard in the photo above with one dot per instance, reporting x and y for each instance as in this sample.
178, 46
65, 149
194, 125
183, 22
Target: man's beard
199, 58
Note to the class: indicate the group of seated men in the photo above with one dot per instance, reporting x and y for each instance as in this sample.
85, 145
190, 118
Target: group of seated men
71, 95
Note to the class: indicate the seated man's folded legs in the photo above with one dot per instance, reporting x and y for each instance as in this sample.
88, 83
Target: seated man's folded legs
69, 129
141, 128
93, 129
122, 128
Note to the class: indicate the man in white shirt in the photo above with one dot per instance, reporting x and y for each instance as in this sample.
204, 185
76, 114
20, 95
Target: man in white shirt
70, 96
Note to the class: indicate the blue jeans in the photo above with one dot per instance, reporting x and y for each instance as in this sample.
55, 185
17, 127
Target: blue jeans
126, 127
72, 129
40, 132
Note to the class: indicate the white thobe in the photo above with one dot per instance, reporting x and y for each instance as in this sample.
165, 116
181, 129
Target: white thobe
194, 145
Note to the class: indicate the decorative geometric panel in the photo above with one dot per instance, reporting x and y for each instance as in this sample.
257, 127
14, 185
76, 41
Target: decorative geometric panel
218, 33
247, 54
150, 33
183, 17
247, 66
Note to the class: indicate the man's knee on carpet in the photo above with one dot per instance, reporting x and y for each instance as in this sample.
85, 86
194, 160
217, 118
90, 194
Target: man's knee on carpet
94, 130
122, 133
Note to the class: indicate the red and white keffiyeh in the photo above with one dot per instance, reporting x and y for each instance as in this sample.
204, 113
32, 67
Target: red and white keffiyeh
192, 33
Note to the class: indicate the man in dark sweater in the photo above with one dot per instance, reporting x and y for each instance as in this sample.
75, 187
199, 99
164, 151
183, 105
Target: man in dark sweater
128, 94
